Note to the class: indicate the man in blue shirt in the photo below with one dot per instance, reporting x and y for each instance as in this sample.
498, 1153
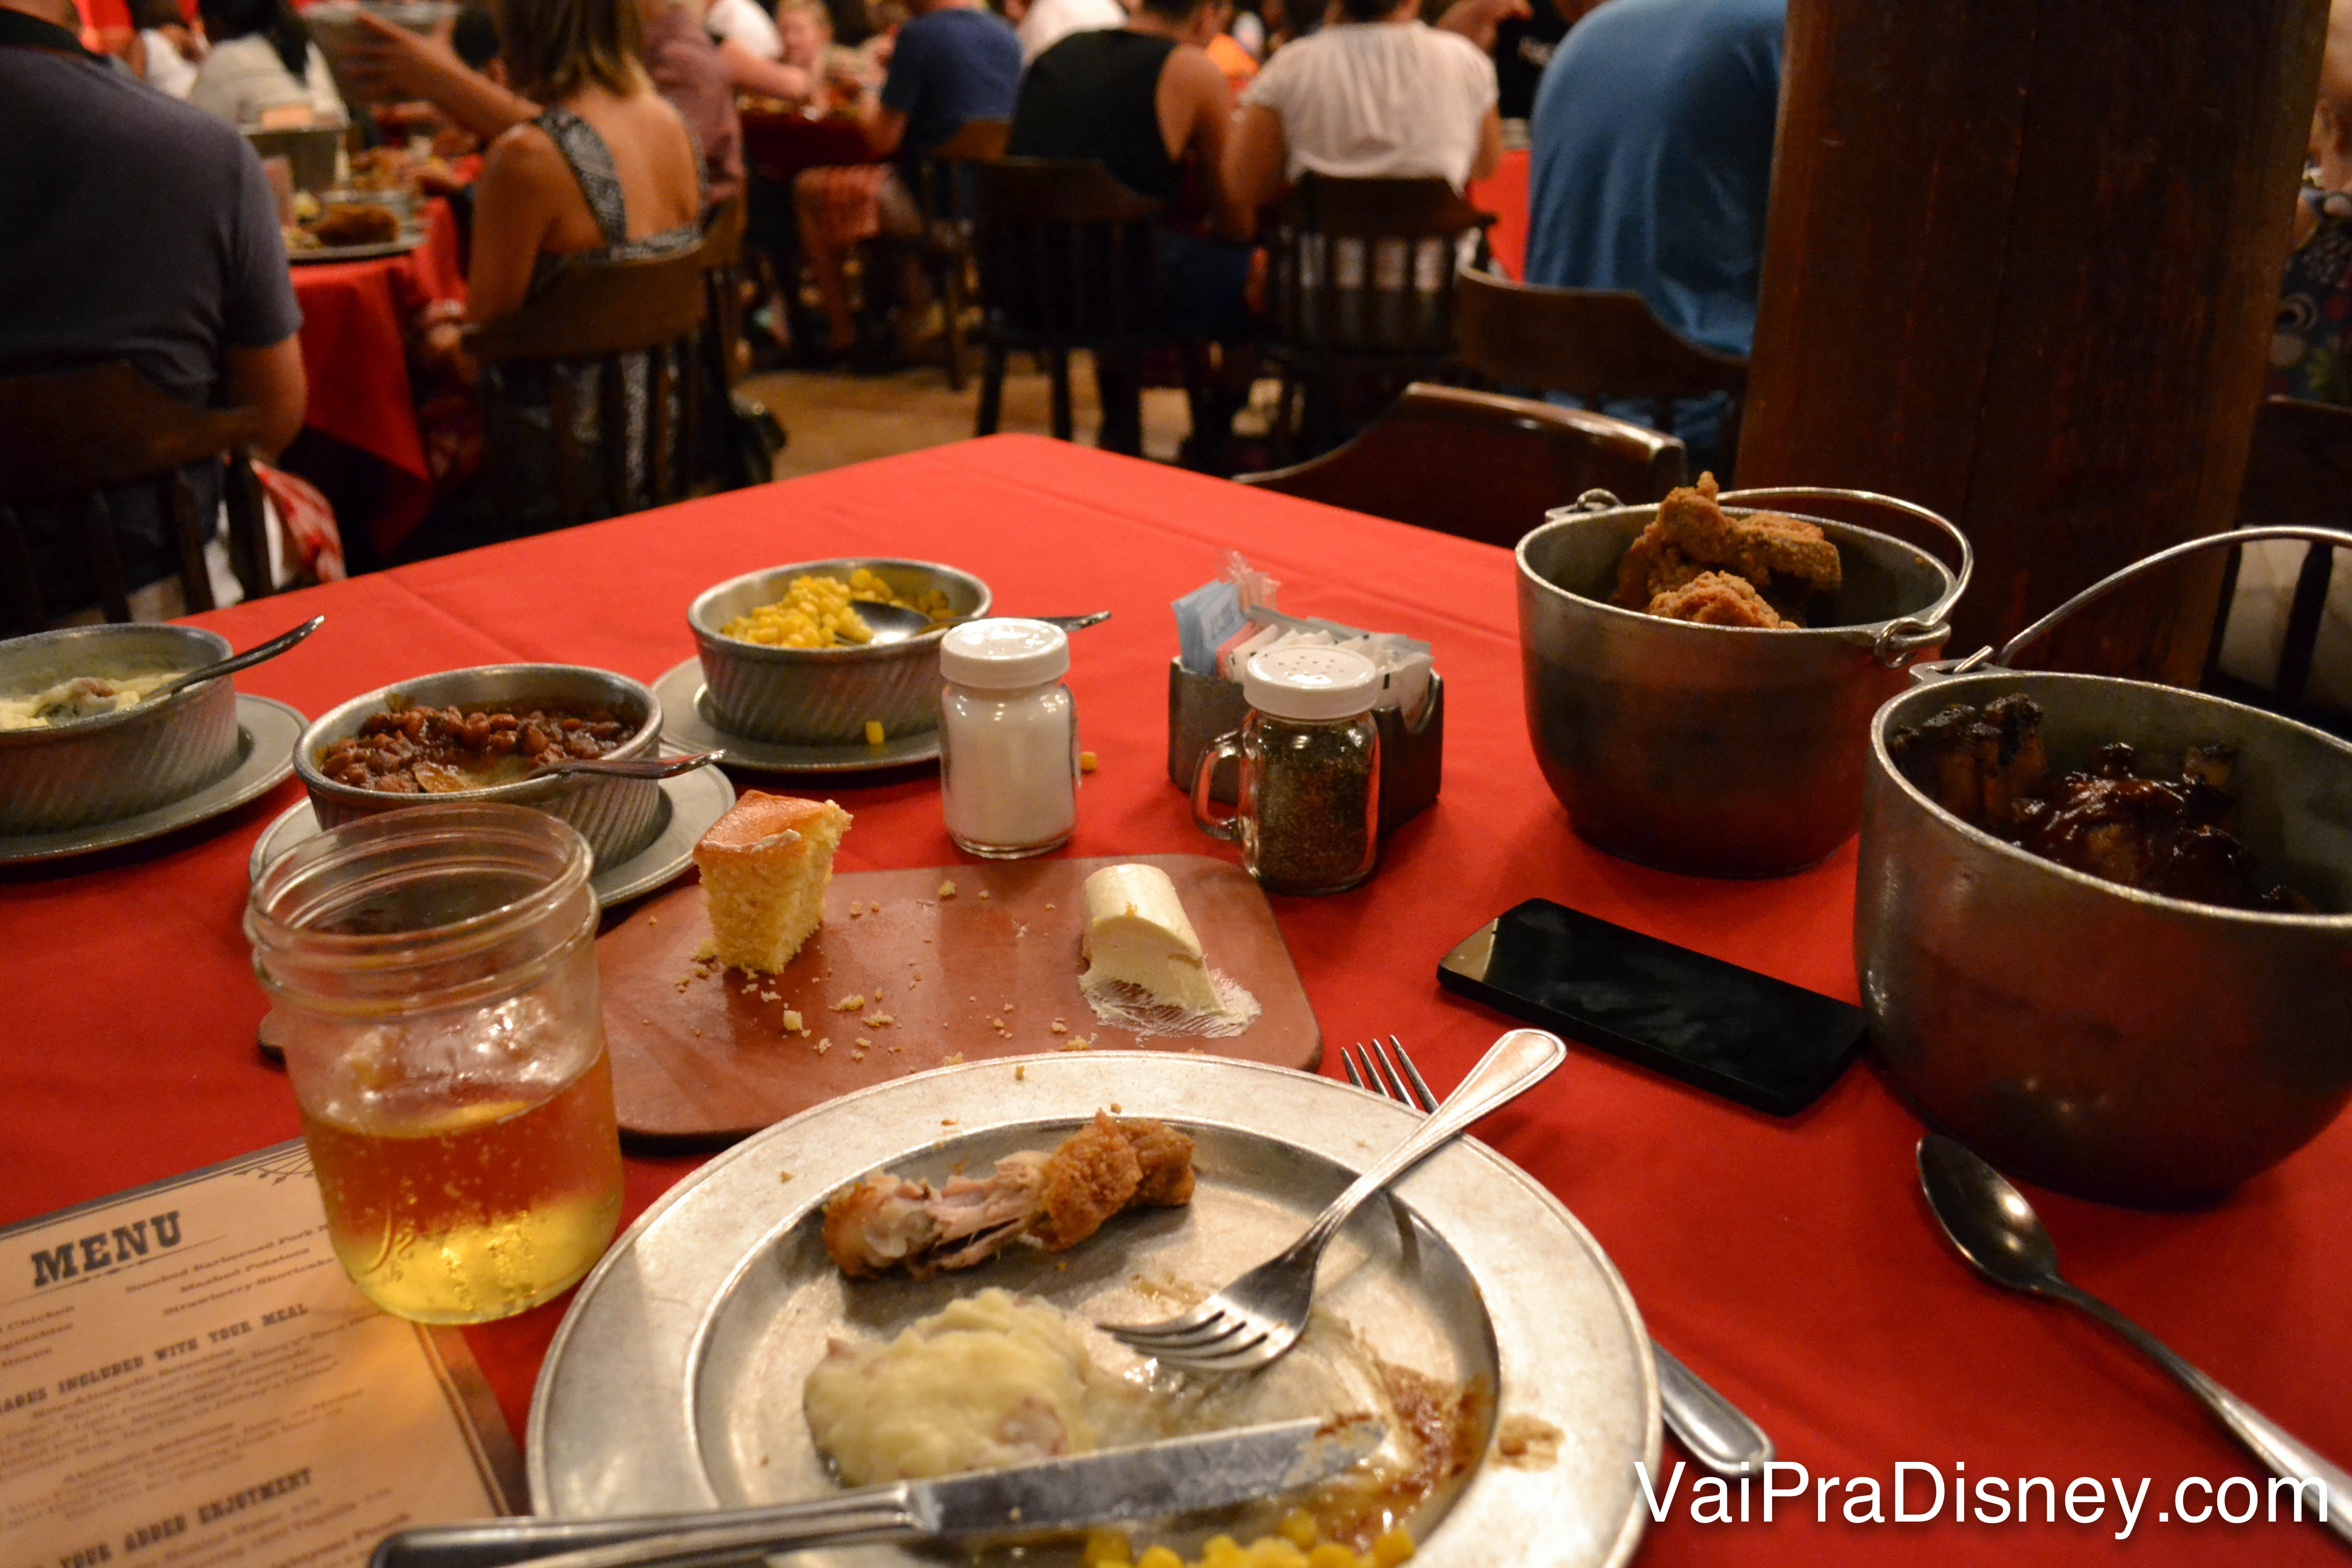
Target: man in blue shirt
1650, 160
140, 229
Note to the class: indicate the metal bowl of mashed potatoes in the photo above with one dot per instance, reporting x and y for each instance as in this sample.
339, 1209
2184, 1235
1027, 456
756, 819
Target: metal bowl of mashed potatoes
827, 696
71, 767
617, 817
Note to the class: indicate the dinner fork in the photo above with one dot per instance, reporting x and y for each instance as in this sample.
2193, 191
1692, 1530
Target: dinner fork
1717, 1433
1259, 1316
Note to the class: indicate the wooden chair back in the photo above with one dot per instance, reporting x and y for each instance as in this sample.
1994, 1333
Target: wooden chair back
2298, 470
1366, 268
600, 324
1482, 466
944, 197
1067, 254
68, 437
722, 287
1593, 343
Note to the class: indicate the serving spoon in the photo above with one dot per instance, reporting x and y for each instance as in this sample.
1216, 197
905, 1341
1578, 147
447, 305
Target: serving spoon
258, 654
896, 623
1990, 1223
629, 767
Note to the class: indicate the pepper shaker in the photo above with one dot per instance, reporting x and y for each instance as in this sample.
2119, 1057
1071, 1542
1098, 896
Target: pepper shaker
1008, 739
1308, 808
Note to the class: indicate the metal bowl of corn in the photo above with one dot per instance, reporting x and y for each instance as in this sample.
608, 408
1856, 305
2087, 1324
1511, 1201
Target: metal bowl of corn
778, 664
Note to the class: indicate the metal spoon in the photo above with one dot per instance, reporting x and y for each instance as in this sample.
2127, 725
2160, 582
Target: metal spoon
896, 623
630, 767
257, 654
1990, 1223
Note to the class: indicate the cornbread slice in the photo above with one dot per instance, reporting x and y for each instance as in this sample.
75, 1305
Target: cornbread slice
765, 869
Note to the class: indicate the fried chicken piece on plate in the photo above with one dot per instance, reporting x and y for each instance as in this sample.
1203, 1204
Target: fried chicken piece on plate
1718, 599
1049, 1200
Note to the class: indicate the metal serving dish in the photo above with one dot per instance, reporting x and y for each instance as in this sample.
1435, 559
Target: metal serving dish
675, 1381
1719, 750
618, 816
2087, 1036
824, 696
115, 764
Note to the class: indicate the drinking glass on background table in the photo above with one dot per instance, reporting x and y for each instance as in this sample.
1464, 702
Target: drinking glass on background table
434, 976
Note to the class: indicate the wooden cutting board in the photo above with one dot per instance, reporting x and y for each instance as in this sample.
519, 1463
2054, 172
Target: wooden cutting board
705, 1058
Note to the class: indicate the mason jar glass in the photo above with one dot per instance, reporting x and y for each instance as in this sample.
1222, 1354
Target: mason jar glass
434, 975
1308, 811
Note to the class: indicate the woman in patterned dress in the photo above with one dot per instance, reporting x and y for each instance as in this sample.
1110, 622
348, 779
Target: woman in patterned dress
609, 171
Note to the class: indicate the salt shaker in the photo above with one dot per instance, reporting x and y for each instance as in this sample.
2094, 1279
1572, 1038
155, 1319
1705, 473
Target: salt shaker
1309, 809
1008, 739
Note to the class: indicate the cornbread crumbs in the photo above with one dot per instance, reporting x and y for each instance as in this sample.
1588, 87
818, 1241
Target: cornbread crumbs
874, 731
1060, 1027
983, 892
653, 920
792, 1019
863, 1042
783, 1176
895, 1046
878, 1020
1089, 761
954, 1061
947, 890
823, 1045
849, 1004
1020, 1073
708, 950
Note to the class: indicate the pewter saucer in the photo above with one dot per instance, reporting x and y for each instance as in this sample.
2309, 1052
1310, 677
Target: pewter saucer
687, 725
266, 729
689, 805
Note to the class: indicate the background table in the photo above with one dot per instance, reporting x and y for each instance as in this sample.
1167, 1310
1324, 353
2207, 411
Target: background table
1791, 1263
1504, 193
355, 317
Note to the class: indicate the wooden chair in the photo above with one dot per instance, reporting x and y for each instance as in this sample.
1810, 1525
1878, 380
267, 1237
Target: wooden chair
2299, 470
600, 323
1593, 343
1481, 466
1360, 297
943, 194
1069, 258
68, 437
722, 279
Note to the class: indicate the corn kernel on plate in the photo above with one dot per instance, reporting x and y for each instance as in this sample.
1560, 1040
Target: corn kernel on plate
675, 1381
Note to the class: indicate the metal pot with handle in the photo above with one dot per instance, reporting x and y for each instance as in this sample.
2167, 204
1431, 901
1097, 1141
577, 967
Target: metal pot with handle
2096, 1038
1721, 751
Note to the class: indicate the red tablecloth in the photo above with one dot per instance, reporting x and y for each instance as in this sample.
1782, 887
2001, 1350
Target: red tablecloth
1504, 193
1791, 1263
354, 351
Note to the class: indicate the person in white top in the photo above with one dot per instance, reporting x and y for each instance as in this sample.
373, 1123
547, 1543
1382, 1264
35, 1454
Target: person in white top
167, 50
262, 63
758, 57
1377, 92
1048, 22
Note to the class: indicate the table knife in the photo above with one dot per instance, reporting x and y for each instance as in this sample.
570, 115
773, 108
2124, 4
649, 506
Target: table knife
1149, 1481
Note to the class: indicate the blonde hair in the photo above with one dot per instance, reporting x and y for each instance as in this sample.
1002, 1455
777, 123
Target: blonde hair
807, 7
556, 48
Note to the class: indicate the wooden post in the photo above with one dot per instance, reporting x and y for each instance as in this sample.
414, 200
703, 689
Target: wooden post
2022, 268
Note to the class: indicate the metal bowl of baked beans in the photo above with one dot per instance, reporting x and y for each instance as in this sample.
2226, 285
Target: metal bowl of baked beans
827, 696
430, 738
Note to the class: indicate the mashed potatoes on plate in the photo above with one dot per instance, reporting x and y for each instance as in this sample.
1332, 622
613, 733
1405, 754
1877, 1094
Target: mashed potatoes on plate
992, 1379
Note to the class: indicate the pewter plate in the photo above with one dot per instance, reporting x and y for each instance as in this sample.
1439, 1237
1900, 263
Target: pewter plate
374, 250
674, 1382
266, 729
691, 802
687, 725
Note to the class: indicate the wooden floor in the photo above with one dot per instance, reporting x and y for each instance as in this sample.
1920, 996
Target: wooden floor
832, 417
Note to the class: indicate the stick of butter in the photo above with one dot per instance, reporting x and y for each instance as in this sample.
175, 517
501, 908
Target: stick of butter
1136, 932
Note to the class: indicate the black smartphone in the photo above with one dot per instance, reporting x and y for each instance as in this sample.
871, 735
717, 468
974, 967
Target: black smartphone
1715, 1025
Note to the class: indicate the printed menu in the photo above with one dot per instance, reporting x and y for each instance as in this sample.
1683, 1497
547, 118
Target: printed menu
188, 1380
